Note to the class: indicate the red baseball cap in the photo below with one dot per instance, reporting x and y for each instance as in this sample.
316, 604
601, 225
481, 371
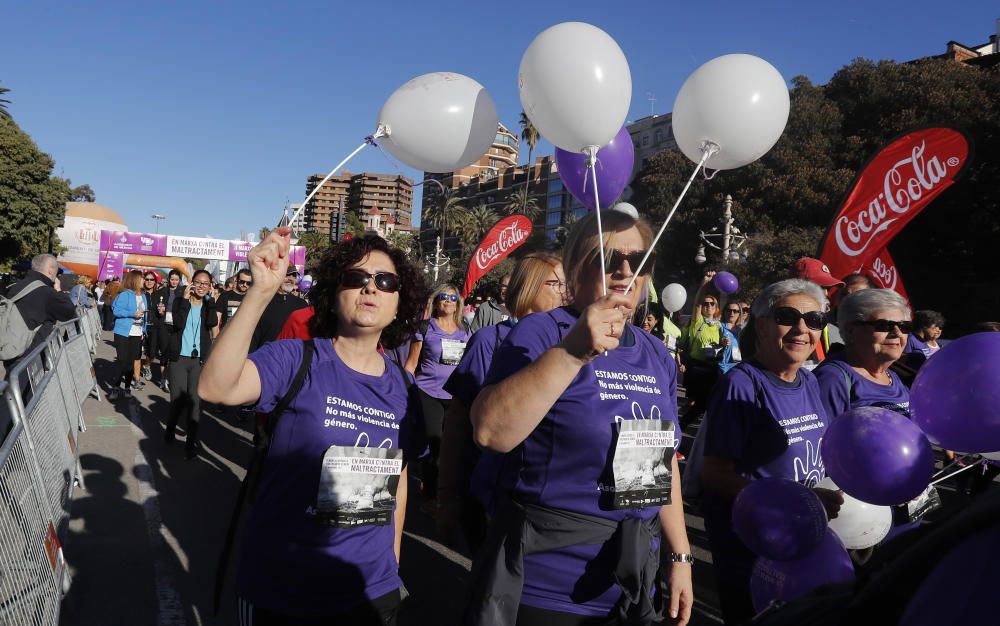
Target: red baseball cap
816, 271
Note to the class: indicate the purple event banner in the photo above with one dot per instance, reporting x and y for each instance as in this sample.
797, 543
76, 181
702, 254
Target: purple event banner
133, 243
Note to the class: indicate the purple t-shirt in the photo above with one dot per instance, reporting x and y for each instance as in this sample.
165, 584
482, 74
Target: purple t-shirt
839, 395
439, 355
464, 385
570, 460
319, 538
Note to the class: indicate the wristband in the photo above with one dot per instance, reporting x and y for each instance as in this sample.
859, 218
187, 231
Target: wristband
681, 557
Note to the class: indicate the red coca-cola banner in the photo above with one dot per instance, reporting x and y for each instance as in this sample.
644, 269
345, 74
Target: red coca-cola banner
882, 271
890, 191
505, 237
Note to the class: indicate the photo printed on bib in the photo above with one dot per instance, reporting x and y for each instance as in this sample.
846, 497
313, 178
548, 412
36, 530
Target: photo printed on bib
642, 463
452, 351
357, 486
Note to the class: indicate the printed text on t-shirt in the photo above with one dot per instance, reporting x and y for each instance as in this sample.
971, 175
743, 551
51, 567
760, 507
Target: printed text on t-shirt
612, 382
337, 407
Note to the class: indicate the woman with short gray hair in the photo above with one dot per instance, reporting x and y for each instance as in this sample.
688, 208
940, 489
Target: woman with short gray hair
765, 419
874, 324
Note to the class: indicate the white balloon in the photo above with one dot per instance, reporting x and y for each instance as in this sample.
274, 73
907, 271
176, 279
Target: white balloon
575, 86
737, 101
627, 209
674, 296
439, 122
859, 525
993, 456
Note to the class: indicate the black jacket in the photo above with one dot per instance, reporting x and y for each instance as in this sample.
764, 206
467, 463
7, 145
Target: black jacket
162, 295
209, 320
43, 307
274, 317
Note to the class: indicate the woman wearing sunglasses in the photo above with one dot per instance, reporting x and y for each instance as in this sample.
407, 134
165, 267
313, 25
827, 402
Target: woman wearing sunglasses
321, 541
703, 347
765, 419
436, 350
584, 406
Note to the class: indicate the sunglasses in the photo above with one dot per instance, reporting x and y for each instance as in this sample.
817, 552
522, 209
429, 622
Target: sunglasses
614, 259
244, 282
746, 309
733, 311
708, 303
788, 316
358, 279
150, 280
886, 326
445, 297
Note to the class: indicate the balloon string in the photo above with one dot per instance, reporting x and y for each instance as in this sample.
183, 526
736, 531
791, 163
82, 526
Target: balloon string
369, 141
706, 153
592, 164
957, 460
957, 472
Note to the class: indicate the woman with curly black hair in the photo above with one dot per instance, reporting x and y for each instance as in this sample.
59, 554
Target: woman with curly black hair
321, 543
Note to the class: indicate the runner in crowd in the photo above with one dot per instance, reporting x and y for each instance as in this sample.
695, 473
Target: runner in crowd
743, 435
150, 285
129, 310
493, 310
80, 293
230, 300
566, 398
537, 284
702, 349
321, 544
927, 328
282, 304
194, 318
114, 288
162, 306
437, 347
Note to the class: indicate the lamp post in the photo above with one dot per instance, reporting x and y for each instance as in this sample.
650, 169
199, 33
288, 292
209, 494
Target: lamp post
158, 217
439, 260
730, 238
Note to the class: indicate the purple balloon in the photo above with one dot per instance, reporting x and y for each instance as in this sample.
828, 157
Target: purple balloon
877, 456
828, 563
614, 170
726, 282
779, 518
956, 399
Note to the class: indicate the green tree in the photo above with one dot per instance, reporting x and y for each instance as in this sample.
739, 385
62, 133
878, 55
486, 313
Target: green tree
787, 199
32, 201
529, 134
82, 193
408, 242
354, 225
315, 244
444, 215
264, 232
3, 103
517, 204
474, 225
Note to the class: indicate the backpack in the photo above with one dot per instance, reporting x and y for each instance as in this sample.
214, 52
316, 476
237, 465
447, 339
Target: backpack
15, 336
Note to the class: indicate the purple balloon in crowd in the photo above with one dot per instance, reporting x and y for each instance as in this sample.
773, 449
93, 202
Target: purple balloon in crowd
614, 170
877, 456
828, 563
956, 399
779, 518
726, 282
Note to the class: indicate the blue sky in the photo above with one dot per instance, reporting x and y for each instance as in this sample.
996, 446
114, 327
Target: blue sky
215, 113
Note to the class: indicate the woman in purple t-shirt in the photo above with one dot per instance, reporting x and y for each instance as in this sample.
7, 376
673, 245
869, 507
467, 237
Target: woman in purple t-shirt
764, 419
436, 350
321, 541
586, 406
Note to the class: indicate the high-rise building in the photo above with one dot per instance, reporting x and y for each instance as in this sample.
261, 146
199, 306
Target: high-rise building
326, 212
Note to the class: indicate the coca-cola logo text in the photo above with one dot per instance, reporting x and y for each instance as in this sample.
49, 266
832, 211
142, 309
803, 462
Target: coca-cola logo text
884, 273
908, 181
507, 239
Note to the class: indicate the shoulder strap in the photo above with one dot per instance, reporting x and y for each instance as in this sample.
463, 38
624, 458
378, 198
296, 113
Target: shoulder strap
33, 285
249, 485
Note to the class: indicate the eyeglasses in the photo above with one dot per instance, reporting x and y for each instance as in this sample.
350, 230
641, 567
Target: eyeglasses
244, 282
745, 309
613, 260
886, 326
445, 297
358, 279
201, 283
558, 285
150, 280
789, 316
708, 304
733, 311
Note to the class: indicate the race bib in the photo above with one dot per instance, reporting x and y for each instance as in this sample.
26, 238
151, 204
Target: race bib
671, 343
231, 307
357, 486
169, 317
452, 351
642, 461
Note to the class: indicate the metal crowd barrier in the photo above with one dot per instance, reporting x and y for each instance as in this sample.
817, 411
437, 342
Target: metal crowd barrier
41, 417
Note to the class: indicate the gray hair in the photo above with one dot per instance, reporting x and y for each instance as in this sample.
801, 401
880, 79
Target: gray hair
764, 303
41, 262
860, 305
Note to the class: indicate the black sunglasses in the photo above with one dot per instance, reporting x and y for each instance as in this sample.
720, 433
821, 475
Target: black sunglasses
613, 260
244, 282
358, 279
733, 311
886, 326
746, 309
788, 316
707, 303
444, 297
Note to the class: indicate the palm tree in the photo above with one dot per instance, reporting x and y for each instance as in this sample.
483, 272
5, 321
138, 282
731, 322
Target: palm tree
530, 136
518, 204
444, 216
476, 223
3, 103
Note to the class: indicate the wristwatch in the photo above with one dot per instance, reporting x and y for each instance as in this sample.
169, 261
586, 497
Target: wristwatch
681, 557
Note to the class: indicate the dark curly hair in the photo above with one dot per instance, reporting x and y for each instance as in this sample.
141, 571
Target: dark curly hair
326, 282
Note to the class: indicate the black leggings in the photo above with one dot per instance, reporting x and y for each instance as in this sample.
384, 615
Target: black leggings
128, 350
434, 411
381, 611
184, 373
